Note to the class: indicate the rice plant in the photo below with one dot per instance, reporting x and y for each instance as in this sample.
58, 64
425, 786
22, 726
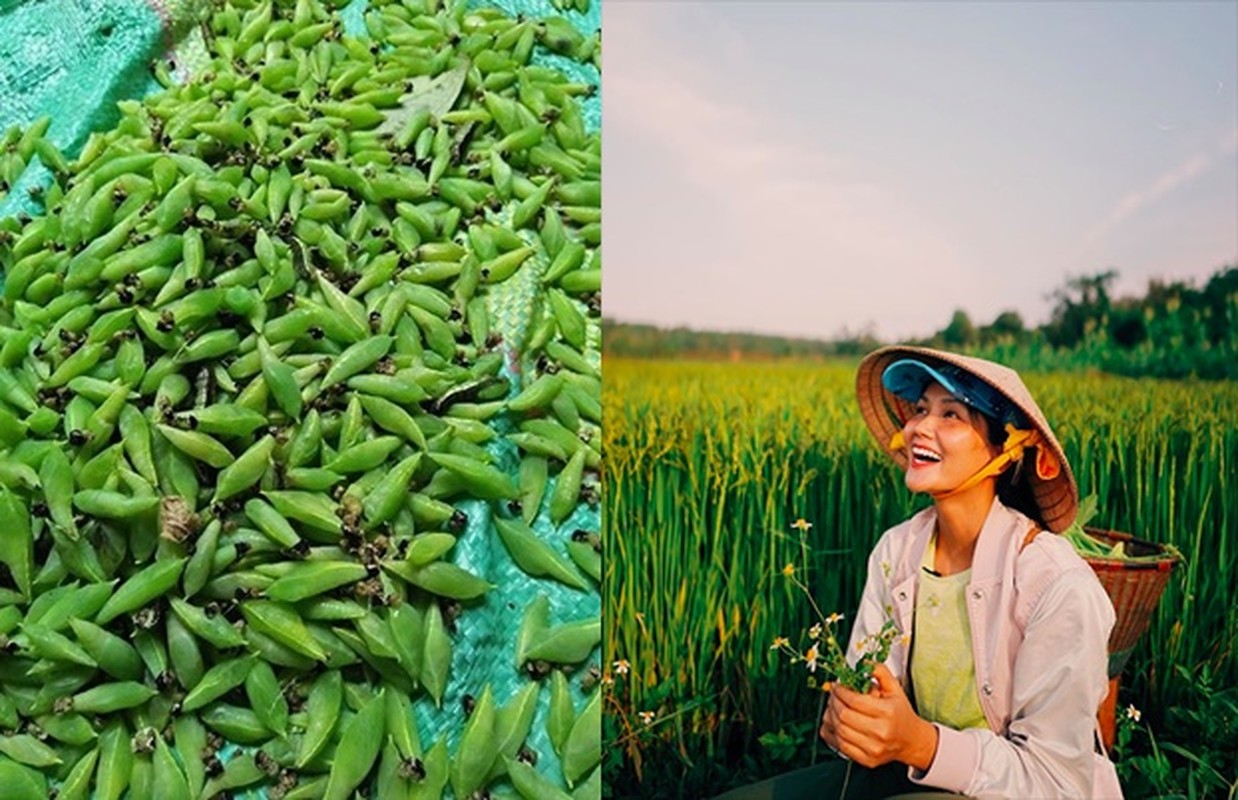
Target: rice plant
710, 464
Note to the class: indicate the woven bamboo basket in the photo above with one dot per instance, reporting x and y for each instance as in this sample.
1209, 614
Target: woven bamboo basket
1133, 587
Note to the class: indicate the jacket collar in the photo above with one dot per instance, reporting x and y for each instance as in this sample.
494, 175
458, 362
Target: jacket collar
997, 536
1002, 531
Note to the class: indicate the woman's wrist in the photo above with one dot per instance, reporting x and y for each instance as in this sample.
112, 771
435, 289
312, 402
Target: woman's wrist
922, 747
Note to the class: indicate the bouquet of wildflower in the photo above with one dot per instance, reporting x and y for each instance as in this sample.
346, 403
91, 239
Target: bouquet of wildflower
825, 659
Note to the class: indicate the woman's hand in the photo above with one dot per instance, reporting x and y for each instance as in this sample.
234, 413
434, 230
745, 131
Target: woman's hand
879, 727
829, 721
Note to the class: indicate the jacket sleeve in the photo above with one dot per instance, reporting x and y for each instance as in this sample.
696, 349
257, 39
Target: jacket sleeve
1060, 677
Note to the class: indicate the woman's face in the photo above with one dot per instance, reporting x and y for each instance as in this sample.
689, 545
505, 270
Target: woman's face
947, 442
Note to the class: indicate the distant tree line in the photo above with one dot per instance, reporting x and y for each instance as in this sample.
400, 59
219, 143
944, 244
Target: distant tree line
648, 341
1174, 330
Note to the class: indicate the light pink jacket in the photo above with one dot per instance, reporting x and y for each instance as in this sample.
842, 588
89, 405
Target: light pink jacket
1040, 621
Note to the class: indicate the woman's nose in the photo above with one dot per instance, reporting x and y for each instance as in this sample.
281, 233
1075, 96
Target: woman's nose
923, 424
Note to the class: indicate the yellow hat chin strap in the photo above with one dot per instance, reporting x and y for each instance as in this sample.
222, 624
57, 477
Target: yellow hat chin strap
897, 441
1012, 451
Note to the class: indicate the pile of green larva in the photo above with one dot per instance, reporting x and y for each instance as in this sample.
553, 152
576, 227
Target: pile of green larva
1111, 549
246, 368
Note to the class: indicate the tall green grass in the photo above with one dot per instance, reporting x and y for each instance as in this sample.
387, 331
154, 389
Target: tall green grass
709, 464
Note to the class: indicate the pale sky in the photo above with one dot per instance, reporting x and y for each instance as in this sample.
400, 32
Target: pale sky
800, 168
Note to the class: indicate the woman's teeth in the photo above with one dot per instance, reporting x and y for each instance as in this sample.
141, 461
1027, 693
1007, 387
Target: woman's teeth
924, 454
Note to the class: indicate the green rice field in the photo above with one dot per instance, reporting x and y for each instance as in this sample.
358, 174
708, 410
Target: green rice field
708, 466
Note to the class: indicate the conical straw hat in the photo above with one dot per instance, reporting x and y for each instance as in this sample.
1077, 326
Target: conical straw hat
1057, 495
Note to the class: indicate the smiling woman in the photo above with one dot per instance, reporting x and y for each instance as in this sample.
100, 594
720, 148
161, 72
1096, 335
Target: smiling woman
993, 689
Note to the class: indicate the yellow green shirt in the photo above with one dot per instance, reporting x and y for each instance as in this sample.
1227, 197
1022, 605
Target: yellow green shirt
943, 673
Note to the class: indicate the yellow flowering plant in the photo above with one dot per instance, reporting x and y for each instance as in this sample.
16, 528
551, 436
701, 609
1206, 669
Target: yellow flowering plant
825, 658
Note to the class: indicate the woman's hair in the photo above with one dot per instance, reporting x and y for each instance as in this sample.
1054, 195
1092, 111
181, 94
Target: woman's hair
1012, 489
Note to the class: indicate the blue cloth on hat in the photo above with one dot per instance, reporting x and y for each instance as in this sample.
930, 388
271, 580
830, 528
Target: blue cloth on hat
907, 378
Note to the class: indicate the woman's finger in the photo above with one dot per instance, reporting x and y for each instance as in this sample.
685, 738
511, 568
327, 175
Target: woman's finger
856, 744
829, 722
831, 709
866, 704
853, 751
826, 732
843, 699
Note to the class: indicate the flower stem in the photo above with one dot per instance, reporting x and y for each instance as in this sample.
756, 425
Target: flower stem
846, 780
817, 738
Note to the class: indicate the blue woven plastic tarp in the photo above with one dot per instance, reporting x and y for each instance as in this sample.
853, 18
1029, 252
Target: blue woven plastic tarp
73, 60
